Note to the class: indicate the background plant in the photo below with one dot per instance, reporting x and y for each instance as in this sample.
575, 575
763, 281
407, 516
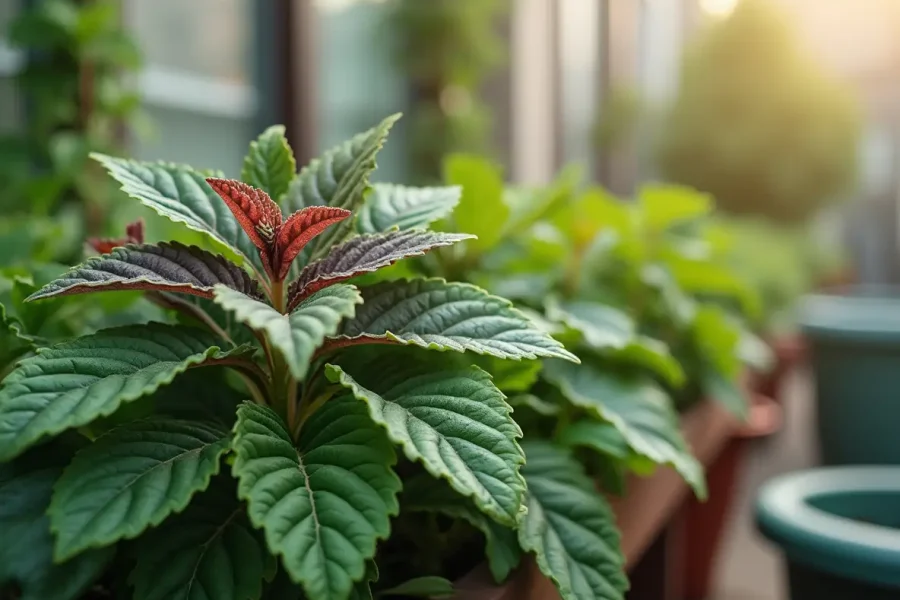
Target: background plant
760, 127
554, 250
446, 49
77, 100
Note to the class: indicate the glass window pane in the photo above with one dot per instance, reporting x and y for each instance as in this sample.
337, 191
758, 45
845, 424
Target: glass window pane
357, 85
207, 37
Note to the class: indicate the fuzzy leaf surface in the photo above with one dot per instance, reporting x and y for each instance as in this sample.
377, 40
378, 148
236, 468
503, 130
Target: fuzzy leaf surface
168, 267
338, 178
324, 503
26, 544
423, 494
132, 478
434, 314
366, 254
270, 164
390, 206
639, 409
296, 335
210, 551
181, 194
454, 421
570, 527
300, 229
75, 382
254, 210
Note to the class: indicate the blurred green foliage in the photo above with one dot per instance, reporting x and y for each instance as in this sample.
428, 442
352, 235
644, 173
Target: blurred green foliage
446, 49
76, 101
757, 123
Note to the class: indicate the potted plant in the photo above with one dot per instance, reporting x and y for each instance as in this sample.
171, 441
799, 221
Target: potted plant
246, 446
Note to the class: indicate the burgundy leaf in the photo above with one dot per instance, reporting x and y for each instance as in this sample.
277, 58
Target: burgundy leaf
300, 228
169, 267
364, 254
134, 234
258, 215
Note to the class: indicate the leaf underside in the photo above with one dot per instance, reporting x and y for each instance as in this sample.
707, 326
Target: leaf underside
452, 420
75, 382
390, 206
570, 527
170, 267
434, 314
365, 254
181, 194
296, 335
132, 478
324, 503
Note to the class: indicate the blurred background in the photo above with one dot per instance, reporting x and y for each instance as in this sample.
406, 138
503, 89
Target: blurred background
786, 111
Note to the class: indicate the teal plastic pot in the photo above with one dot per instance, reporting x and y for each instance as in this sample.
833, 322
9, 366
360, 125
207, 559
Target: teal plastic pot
854, 342
839, 528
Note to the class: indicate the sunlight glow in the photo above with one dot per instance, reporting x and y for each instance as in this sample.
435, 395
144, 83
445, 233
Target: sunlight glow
718, 8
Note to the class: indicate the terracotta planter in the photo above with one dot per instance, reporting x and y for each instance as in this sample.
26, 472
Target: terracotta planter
706, 521
642, 514
790, 351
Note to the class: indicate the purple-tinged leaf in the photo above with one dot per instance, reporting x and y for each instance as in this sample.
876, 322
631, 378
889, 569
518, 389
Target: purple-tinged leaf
168, 267
365, 254
257, 214
134, 234
300, 228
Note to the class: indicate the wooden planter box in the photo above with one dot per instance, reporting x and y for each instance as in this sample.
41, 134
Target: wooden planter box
643, 514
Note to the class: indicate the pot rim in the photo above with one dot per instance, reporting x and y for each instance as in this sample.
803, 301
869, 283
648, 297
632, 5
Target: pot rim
836, 544
868, 314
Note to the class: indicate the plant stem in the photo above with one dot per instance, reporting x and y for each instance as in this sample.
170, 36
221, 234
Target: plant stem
277, 296
310, 408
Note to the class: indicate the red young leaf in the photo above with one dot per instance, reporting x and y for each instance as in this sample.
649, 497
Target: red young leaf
300, 228
134, 234
258, 215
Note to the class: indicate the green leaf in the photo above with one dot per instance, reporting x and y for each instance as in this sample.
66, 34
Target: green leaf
365, 254
298, 334
613, 333
602, 327
453, 421
323, 503
169, 267
429, 586
26, 554
390, 206
339, 178
130, 479
570, 527
602, 437
653, 355
535, 403
481, 210
182, 195
270, 164
13, 342
639, 409
199, 395
434, 314
663, 206
423, 494
210, 551
75, 382
362, 589
509, 376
